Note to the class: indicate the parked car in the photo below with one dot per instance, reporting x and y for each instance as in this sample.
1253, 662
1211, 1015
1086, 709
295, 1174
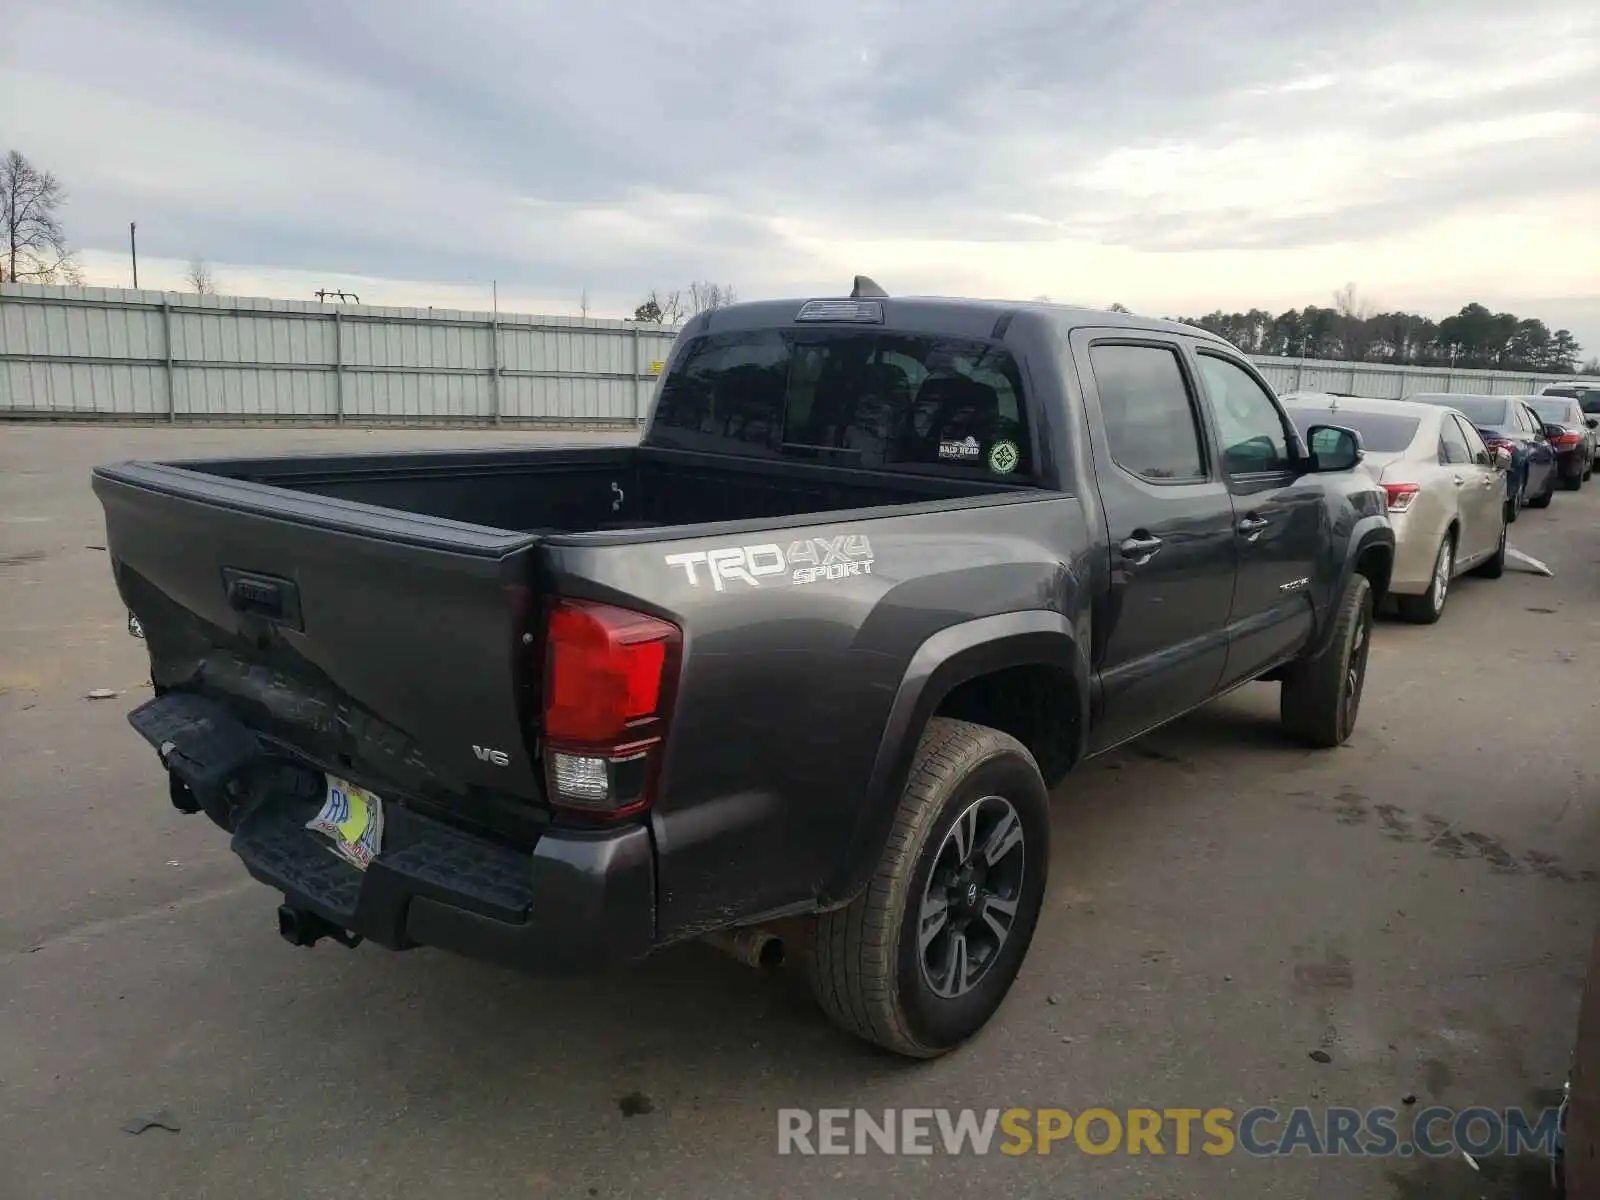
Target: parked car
1572, 434
1585, 391
1445, 491
1508, 421
878, 575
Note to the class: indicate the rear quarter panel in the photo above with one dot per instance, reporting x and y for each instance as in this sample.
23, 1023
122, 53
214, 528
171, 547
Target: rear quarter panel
788, 680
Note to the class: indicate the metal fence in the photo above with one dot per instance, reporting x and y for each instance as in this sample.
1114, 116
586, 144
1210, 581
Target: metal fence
111, 354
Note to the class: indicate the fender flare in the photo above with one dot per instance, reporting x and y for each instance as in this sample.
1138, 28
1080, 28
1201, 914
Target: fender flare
951, 657
1369, 532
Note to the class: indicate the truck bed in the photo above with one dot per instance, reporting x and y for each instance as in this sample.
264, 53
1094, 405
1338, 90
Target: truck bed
584, 489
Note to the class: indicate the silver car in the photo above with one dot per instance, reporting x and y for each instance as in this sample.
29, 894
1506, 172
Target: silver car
1446, 491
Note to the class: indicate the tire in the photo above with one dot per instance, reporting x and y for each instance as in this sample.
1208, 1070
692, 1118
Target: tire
1494, 566
1514, 503
866, 961
1573, 481
1427, 608
1544, 500
1321, 696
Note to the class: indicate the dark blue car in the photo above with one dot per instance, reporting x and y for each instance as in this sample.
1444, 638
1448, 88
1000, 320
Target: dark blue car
1508, 421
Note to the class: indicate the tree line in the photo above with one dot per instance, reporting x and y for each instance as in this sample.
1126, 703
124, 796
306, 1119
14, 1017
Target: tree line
1350, 331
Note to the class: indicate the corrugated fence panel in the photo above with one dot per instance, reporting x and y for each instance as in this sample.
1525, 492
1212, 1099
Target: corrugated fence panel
223, 392
87, 352
410, 396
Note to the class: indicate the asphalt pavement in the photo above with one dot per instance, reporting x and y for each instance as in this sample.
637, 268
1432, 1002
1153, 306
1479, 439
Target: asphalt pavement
1232, 922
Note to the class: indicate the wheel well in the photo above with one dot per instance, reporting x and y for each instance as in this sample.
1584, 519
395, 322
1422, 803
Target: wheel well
1376, 563
1036, 704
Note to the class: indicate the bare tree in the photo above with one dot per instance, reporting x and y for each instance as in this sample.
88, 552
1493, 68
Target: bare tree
1348, 303
704, 296
33, 246
199, 277
671, 306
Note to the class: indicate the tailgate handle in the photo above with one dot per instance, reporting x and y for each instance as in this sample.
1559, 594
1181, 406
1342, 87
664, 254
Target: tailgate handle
267, 596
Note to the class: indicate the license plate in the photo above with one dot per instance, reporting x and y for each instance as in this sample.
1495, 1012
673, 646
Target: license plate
352, 820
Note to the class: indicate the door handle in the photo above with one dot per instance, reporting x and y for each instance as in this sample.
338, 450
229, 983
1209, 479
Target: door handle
1140, 549
1251, 527
1458, 479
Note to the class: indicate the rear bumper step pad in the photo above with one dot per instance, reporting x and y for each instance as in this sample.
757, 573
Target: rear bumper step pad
580, 899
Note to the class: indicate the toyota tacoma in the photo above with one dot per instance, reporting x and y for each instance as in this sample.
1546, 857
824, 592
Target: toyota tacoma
878, 574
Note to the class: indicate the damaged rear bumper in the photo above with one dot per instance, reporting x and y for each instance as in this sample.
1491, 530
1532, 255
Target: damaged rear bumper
578, 901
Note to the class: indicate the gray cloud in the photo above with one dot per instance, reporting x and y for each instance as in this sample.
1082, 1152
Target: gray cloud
611, 143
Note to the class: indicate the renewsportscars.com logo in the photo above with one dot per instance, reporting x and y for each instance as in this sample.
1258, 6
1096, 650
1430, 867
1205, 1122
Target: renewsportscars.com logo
1262, 1132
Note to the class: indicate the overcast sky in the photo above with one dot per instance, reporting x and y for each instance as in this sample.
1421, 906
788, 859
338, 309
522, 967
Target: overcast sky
1176, 157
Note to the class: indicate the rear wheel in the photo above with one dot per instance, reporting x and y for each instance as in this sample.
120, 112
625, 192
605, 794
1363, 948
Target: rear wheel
1549, 495
1322, 696
1429, 607
1514, 501
920, 961
1573, 481
1494, 566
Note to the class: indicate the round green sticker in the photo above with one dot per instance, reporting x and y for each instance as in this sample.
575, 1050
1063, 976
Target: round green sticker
1004, 457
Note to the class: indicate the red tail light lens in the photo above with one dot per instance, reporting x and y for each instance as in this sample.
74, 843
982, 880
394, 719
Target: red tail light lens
1566, 439
1400, 495
608, 677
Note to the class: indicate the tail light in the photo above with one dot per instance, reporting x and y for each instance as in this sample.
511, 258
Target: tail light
1499, 443
1566, 440
1400, 495
608, 684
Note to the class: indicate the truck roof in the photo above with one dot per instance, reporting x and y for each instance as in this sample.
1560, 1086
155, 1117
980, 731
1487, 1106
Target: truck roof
958, 317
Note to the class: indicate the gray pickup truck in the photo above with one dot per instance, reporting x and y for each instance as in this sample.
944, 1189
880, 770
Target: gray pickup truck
807, 658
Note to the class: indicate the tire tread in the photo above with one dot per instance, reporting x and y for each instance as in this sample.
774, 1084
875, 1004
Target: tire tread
852, 951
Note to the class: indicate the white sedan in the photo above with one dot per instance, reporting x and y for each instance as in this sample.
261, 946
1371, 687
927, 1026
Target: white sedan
1444, 485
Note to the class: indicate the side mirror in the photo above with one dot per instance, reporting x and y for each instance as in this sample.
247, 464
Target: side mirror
1334, 448
1502, 459
1592, 422
1553, 431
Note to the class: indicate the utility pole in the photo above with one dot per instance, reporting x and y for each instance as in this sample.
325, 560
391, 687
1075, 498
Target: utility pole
133, 248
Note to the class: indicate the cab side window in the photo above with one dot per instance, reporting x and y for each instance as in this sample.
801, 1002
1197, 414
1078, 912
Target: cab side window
1149, 414
1253, 435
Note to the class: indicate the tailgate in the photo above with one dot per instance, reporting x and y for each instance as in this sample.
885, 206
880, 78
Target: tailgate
374, 642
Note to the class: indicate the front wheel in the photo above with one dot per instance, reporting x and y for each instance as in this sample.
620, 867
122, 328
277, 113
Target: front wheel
920, 960
1322, 696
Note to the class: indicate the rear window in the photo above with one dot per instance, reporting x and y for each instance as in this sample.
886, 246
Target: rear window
1382, 433
1557, 412
854, 397
1480, 410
